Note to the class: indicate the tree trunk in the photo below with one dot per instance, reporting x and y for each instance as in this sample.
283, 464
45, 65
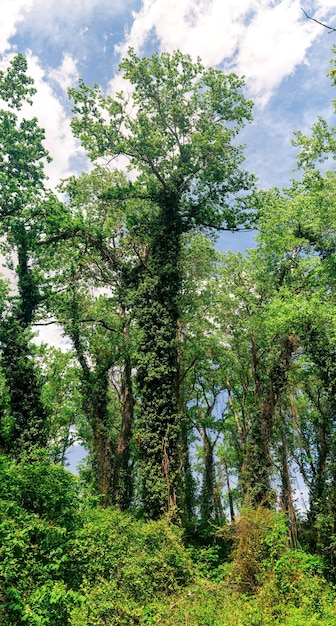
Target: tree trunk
30, 421
96, 407
286, 498
258, 464
122, 477
228, 486
158, 315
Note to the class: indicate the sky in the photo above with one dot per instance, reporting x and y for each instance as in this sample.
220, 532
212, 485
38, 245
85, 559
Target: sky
283, 55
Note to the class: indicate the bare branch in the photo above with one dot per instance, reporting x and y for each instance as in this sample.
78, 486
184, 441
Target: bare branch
85, 320
102, 323
188, 369
330, 28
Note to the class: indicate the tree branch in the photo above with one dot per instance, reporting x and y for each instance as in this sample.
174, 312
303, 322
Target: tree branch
78, 233
82, 321
231, 229
188, 370
330, 28
102, 323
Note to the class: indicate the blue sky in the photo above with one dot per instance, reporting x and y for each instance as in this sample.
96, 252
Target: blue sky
284, 57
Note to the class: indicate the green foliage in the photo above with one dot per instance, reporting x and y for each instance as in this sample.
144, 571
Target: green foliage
63, 564
42, 488
23, 202
38, 517
215, 604
62, 400
126, 564
27, 426
266, 583
324, 537
15, 85
180, 137
259, 538
141, 558
231, 358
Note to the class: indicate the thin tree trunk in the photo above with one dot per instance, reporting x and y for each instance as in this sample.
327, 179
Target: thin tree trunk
286, 500
228, 486
122, 480
258, 462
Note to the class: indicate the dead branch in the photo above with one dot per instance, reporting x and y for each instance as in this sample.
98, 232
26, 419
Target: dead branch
330, 28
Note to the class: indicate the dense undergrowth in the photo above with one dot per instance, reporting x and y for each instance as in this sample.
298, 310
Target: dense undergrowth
66, 561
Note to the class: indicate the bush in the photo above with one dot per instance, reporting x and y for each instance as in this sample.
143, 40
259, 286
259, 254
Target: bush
260, 537
38, 517
41, 487
326, 540
69, 565
65, 564
141, 560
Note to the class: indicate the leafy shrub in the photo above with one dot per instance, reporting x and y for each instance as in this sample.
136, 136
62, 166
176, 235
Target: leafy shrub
69, 565
210, 562
144, 559
38, 517
106, 603
260, 536
65, 564
41, 487
216, 604
326, 540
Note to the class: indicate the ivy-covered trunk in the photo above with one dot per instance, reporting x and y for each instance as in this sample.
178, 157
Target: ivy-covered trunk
22, 219
158, 315
207, 500
286, 495
95, 386
103, 451
186, 496
27, 427
179, 138
257, 465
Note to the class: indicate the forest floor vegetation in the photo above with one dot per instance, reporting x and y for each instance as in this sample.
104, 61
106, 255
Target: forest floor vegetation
65, 561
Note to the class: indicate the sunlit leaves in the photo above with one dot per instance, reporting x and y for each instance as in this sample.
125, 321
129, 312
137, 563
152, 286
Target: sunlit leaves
177, 128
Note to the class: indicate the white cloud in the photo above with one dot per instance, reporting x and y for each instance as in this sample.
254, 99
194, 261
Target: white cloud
263, 39
196, 27
54, 119
12, 12
67, 74
323, 7
273, 45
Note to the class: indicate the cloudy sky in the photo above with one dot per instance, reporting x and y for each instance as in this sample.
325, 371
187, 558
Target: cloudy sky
283, 56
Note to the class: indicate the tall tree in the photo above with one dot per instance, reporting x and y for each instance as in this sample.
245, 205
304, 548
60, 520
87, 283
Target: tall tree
89, 273
297, 248
178, 132
24, 204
